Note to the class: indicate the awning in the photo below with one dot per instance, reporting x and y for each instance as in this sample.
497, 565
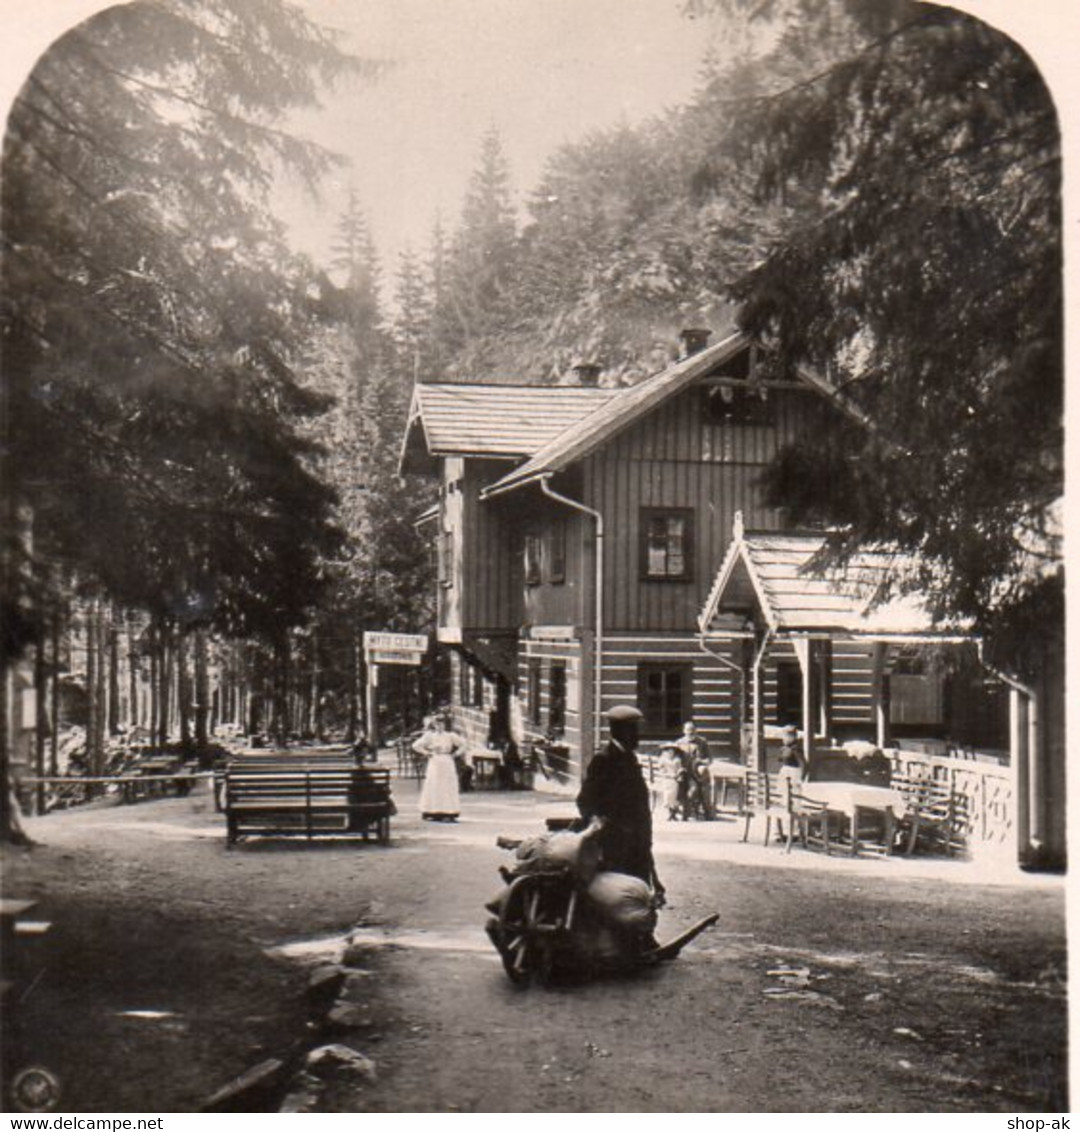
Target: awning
777, 577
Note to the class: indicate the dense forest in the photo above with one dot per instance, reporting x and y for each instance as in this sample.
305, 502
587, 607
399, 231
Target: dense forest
201, 427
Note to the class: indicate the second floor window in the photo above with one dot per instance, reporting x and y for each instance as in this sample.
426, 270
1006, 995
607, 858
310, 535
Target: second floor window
532, 559
667, 544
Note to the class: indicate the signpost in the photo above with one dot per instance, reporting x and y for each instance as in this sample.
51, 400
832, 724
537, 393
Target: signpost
387, 648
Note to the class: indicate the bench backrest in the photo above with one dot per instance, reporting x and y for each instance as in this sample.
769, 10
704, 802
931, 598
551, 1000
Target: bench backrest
361, 784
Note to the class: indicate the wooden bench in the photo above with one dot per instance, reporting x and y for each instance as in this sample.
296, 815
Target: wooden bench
312, 802
265, 761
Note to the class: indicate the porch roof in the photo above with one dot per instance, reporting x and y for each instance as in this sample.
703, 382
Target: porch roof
779, 574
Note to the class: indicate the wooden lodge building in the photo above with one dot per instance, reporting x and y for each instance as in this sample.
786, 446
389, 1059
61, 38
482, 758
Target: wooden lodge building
580, 531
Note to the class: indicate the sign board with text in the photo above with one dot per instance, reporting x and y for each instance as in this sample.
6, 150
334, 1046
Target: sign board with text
396, 642
395, 656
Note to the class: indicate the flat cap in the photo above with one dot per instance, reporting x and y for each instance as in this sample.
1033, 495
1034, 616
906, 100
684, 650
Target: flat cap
623, 713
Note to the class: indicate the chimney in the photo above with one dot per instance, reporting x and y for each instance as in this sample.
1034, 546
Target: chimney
587, 374
694, 339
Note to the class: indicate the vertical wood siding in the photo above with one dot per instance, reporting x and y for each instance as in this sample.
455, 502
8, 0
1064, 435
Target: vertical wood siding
490, 574
673, 458
562, 603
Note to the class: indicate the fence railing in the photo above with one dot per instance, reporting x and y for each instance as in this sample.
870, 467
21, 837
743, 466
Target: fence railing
985, 788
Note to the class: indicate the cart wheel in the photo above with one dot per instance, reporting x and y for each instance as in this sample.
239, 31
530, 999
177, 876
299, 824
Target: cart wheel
525, 932
35, 1090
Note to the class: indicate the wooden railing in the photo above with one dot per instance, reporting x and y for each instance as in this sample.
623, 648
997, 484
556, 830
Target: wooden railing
984, 786
60, 793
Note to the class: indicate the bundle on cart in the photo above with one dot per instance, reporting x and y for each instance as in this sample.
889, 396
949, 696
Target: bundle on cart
558, 916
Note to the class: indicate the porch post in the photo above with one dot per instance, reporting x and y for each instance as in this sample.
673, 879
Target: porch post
1035, 786
804, 652
879, 651
823, 667
1018, 757
757, 747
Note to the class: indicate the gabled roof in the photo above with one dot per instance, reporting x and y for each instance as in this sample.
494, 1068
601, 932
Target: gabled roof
492, 420
628, 405
776, 572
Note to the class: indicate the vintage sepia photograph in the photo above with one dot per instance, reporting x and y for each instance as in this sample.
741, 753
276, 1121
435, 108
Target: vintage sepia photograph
532, 568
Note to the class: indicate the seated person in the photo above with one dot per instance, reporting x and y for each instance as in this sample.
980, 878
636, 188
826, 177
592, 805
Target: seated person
696, 794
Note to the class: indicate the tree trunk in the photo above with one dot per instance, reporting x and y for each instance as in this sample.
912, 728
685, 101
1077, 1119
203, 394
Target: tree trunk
54, 750
202, 692
155, 680
165, 668
113, 639
280, 707
41, 712
102, 690
354, 692
135, 716
312, 721
93, 704
183, 688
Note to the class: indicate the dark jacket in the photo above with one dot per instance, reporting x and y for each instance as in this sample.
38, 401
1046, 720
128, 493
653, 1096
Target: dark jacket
614, 790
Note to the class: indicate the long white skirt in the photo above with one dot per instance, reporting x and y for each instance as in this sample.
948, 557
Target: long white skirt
439, 793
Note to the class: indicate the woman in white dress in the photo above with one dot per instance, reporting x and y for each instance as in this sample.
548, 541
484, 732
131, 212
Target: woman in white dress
439, 799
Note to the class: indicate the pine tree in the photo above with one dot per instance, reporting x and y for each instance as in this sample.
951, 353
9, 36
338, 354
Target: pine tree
412, 321
913, 156
356, 264
152, 318
482, 255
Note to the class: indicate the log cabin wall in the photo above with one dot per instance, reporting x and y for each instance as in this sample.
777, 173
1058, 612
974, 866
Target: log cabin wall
537, 659
472, 698
711, 695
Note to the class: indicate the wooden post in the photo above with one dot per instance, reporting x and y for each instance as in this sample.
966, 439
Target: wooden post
804, 653
1018, 759
372, 703
878, 705
823, 674
757, 745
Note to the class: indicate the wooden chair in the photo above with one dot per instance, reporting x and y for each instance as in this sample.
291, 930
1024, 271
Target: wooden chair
770, 796
937, 819
812, 820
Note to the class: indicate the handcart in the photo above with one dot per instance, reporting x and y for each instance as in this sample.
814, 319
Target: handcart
548, 922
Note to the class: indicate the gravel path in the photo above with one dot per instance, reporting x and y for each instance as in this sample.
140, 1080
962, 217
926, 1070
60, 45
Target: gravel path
174, 964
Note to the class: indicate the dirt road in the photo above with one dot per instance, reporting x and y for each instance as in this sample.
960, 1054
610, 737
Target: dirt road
174, 964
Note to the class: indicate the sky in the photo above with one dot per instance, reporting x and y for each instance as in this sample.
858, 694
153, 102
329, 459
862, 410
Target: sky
541, 72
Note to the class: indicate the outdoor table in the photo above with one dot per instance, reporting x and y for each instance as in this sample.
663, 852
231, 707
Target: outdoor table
726, 775
852, 799
485, 766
